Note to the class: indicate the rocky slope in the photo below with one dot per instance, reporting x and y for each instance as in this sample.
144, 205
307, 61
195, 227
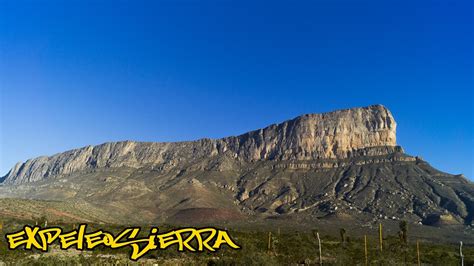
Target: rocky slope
342, 165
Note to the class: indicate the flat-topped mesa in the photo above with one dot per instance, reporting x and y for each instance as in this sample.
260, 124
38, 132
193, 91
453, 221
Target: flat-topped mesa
340, 134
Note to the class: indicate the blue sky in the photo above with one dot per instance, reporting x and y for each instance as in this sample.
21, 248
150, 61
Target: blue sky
88, 72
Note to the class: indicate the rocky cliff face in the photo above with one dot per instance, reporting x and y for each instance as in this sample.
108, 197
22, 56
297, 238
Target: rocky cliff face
342, 165
338, 135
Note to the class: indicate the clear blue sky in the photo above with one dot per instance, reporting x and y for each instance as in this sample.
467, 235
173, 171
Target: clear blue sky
85, 73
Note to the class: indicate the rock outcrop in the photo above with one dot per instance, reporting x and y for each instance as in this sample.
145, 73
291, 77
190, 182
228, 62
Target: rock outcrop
337, 135
343, 165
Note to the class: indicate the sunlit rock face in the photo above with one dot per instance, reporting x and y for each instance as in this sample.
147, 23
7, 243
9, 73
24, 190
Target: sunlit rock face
338, 134
343, 165
330, 135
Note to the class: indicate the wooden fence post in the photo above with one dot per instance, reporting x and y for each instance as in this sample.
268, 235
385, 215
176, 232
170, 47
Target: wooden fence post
269, 241
418, 251
320, 255
366, 251
380, 237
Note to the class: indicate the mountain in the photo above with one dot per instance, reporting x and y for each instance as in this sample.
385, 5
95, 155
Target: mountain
342, 165
310, 137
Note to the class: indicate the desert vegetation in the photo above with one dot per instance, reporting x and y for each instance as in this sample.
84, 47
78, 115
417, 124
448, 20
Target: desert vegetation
259, 247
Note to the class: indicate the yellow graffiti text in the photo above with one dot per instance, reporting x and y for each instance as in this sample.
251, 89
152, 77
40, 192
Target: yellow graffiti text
184, 239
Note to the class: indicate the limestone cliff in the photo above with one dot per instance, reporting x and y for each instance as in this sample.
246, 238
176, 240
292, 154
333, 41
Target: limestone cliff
343, 164
338, 135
